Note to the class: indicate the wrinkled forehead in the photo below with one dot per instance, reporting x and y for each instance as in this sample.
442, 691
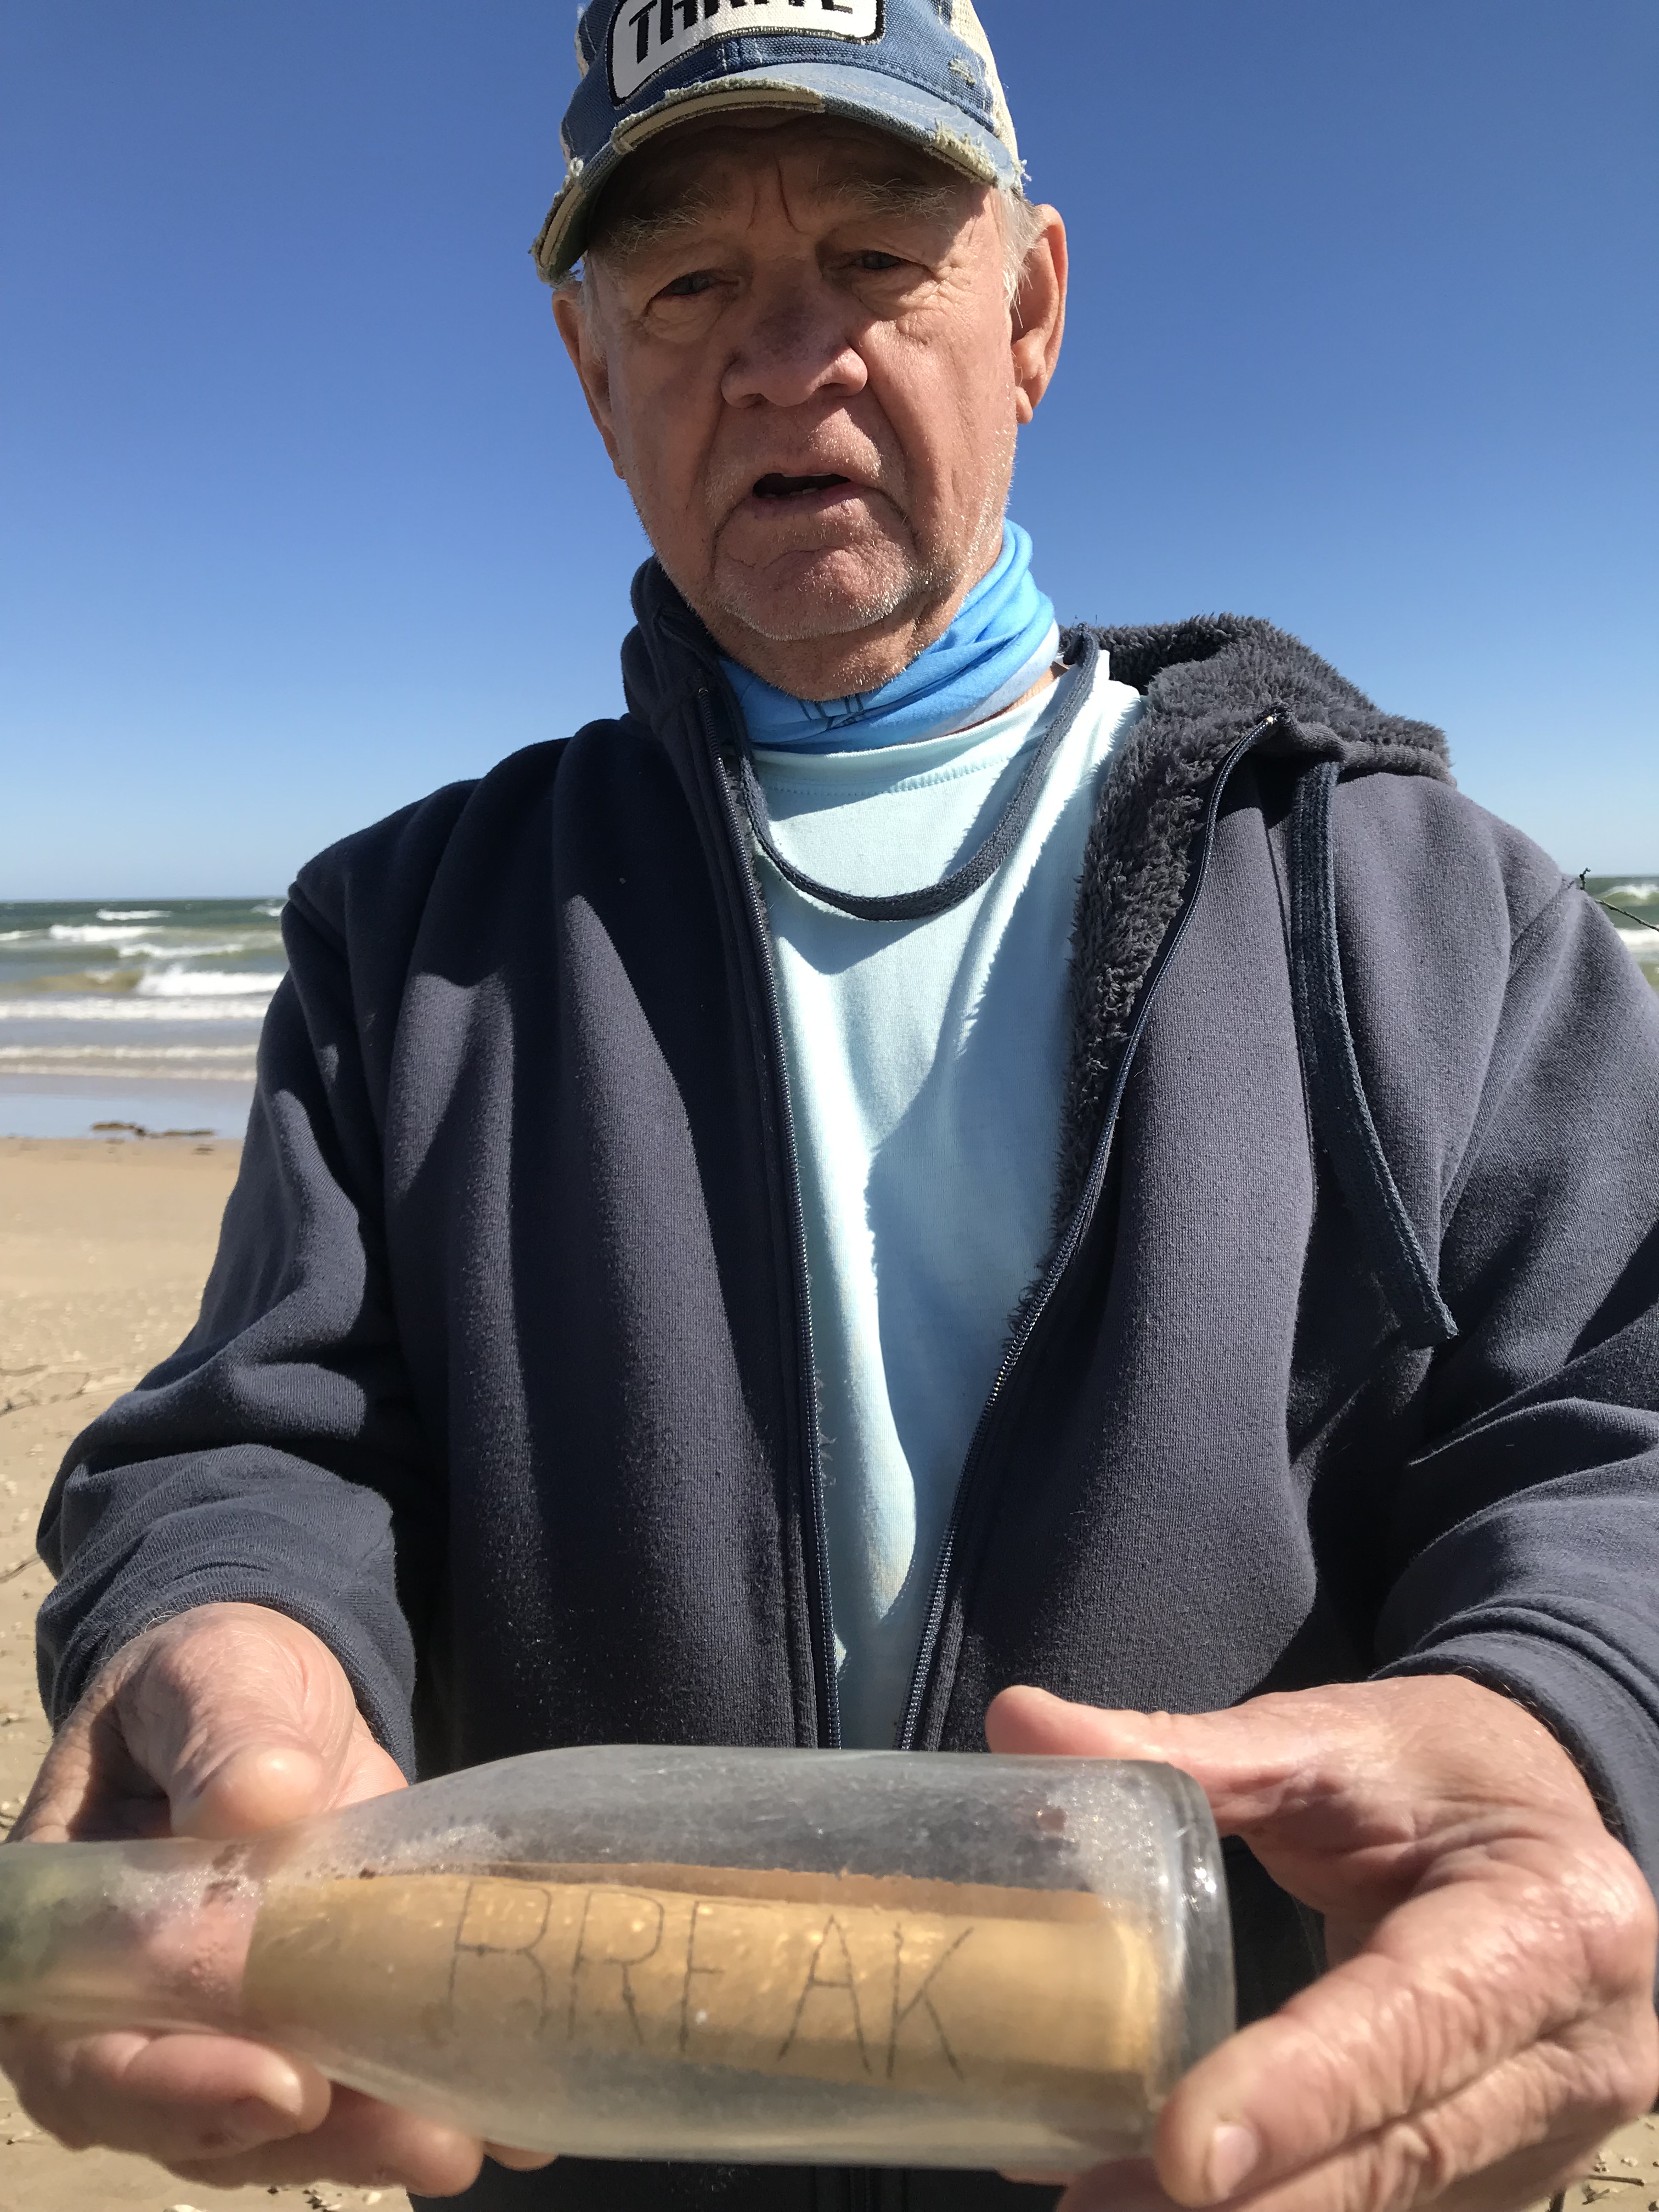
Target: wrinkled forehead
705, 168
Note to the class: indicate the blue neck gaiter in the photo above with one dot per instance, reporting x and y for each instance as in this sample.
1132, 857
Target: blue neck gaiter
995, 650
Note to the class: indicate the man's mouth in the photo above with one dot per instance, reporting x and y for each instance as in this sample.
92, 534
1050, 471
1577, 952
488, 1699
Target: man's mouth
780, 487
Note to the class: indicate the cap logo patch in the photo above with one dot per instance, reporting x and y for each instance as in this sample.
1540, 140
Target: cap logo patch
646, 36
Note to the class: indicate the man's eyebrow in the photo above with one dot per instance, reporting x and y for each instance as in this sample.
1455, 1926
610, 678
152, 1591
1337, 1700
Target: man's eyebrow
631, 231
669, 212
900, 195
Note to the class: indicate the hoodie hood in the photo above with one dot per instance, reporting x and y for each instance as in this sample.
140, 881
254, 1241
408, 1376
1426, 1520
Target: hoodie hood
1206, 682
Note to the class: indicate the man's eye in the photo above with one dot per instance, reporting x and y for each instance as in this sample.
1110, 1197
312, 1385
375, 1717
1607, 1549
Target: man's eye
688, 287
879, 261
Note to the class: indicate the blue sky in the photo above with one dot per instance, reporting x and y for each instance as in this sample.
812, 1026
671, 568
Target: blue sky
302, 517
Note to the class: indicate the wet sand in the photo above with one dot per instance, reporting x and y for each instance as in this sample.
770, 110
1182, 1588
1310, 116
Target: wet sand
104, 1246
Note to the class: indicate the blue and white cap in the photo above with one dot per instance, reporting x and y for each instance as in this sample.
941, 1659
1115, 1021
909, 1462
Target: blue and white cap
922, 69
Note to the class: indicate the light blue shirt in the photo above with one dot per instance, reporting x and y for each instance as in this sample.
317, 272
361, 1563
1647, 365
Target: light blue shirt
925, 1062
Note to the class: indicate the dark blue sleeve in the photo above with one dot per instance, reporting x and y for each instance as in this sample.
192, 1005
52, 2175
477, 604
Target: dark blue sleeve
276, 1458
1527, 1527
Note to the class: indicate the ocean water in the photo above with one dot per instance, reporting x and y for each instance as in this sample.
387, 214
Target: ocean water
1633, 904
140, 1012
145, 1013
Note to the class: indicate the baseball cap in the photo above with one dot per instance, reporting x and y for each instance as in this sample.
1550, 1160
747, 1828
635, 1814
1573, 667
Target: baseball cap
920, 68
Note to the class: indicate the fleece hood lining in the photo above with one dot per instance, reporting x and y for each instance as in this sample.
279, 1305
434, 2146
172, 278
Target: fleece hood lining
1206, 682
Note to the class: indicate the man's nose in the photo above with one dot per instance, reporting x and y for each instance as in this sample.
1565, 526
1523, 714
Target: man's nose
796, 347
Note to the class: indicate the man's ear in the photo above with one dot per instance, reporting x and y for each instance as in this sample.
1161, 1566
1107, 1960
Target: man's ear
573, 311
1039, 315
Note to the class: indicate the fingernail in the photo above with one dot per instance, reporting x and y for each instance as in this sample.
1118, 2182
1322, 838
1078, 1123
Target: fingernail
1234, 2153
266, 2118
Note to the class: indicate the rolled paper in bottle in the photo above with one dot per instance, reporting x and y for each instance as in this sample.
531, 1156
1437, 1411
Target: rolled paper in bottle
961, 1992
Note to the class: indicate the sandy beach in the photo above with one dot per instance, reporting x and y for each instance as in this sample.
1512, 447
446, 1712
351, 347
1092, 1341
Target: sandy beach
104, 1245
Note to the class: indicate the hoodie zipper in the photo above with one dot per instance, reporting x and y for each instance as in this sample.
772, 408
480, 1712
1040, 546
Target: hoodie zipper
1031, 1319
822, 1636
819, 1597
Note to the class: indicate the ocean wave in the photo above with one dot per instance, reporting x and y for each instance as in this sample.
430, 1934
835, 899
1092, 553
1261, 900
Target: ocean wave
224, 948
133, 913
248, 947
69, 1012
134, 943
91, 932
198, 983
241, 1054
1633, 894
102, 980
233, 1063
272, 908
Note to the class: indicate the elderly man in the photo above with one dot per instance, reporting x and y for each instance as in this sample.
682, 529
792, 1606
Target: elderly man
934, 1155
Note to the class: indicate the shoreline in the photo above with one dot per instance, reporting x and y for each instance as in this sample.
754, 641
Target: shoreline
52, 1108
130, 1135
145, 1011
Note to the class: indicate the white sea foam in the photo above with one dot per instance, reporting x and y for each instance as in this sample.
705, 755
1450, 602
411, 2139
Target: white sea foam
256, 942
133, 913
117, 1065
67, 1012
177, 983
130, 937
141, 944
91, 932
230, 1059
1633, 894
272, 908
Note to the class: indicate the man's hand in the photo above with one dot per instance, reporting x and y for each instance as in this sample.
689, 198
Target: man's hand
1488, 2017
228, 1719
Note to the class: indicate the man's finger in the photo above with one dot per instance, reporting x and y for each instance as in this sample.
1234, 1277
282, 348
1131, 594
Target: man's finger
1375, 2177
1461, 2155
221, 2110
1247, 1760
1372, 2041
1469, 1996
164, 2096
362, 2144
519, 2161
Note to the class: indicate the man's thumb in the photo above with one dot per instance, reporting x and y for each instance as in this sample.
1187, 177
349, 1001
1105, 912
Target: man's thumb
1240, 1759
248, 1786
242, 1716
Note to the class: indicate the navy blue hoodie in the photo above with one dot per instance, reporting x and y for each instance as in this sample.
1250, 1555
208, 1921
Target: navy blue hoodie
1345, 1362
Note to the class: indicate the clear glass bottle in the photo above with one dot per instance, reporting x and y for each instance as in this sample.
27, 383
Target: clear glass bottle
846, 1958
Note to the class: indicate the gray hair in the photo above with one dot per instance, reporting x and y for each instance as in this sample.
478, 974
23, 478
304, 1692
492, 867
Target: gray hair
1022, 226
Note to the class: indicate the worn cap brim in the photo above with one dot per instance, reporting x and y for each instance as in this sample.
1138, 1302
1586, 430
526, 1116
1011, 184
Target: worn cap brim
936, 126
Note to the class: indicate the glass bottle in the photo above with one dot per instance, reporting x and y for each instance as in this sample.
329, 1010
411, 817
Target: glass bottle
846, 1958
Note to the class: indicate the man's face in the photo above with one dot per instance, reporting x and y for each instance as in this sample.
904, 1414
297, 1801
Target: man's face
796, 340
